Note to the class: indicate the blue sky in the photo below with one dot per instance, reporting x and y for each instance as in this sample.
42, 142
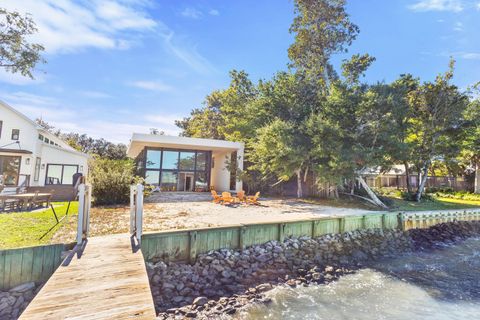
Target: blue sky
122, 66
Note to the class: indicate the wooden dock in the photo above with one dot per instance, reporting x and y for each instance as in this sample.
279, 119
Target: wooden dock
108, 281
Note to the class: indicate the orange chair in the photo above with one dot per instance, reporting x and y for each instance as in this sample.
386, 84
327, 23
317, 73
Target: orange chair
241, 196
216, 197
227, 198
253, 199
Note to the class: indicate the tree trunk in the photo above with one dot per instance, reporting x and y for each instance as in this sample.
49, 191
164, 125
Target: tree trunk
407, 175
299, 183
370, 193
477, 178
423, 181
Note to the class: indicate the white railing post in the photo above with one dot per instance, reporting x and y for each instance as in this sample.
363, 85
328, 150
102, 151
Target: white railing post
84, 204
139, 213
132, 208
81, 212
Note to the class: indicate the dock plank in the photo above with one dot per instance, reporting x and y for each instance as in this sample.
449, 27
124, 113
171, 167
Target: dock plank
108, 281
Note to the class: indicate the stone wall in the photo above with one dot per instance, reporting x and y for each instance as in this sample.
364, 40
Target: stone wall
221, 282
14, 301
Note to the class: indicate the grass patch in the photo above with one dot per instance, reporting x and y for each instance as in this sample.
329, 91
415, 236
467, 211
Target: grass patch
434, 204
21, 229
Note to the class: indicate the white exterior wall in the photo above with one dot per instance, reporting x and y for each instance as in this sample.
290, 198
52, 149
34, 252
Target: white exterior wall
29, 141
220, 176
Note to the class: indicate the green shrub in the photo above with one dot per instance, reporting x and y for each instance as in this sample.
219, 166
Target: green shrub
111, 180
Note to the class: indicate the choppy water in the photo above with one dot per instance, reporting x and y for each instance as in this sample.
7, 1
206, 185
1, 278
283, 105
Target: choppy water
442, 284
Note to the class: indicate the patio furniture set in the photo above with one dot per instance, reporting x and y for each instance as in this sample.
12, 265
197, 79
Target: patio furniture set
227, 199
18, 201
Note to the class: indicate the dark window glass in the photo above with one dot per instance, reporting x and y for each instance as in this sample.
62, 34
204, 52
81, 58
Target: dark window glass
37, 169
153, 159
1, 125
170, 160
15, 134
10, 169
60, 173
46, 140
201, 161
187, 160
169, 181
152, 177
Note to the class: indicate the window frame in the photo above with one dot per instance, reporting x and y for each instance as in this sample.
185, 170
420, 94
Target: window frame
36, 172
19, 158
63, 168
17, 134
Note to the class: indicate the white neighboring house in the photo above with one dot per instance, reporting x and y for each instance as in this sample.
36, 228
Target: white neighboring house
187, 164
32, 157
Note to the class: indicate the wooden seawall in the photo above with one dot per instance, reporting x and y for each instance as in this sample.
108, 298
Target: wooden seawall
108, 281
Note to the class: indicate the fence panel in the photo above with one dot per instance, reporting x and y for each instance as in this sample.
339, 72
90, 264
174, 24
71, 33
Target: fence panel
22, 265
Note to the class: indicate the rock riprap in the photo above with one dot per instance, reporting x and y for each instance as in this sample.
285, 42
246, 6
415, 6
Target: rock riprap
15, 300
221, 282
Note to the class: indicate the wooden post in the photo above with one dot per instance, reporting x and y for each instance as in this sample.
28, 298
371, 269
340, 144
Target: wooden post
401, 221
192, 255
341, 228
139, 214
241, 237
281, 232
384, 221
84, 199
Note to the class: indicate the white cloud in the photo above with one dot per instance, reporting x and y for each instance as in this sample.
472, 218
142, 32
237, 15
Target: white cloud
437, 5
190, 12
158, 86
458, 26
95, 94
18, 79
478, 6
469, 55
214, 12
190, 56
68, 25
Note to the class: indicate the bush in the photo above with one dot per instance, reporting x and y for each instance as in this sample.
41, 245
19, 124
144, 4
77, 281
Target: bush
111, 180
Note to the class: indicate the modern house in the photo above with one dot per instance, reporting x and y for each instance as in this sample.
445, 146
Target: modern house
32, 157
187, 164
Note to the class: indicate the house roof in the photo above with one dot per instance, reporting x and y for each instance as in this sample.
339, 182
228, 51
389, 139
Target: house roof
139, 141
5, 150
9, 107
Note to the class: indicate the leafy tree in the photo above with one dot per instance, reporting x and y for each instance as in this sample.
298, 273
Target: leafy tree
437, 120
17, 54
322, 28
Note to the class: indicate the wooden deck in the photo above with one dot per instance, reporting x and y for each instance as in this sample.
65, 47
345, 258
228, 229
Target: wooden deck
108, 281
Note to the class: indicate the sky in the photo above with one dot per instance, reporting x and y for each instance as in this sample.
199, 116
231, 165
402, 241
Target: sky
115, 67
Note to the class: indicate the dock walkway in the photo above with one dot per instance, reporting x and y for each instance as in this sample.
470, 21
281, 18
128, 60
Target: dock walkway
108, 281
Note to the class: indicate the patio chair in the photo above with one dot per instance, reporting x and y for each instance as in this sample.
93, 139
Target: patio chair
227, 198
10, 204
253, 199
216, 197
241, 196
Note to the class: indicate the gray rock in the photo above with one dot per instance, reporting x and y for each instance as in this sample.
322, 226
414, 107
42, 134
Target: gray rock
23, 287
200, 301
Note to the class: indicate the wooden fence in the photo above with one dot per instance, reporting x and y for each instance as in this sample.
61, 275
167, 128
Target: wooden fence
185, 245
22, 265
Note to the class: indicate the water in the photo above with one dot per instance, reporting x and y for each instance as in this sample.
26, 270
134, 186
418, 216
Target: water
438, 285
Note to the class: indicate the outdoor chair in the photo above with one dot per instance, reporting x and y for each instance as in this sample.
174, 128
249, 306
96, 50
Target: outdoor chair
241, 196
253, 199
227, 198
216, 197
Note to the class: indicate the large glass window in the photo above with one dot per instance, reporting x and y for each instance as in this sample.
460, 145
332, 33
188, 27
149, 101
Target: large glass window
170, 160
187, 161
152, 177
169, 181
60, 173
153, 159
201, 161
176, 170
10, 170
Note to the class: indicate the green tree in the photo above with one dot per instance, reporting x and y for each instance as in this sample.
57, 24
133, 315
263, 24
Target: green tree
438, 109
17, 54
321, 28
